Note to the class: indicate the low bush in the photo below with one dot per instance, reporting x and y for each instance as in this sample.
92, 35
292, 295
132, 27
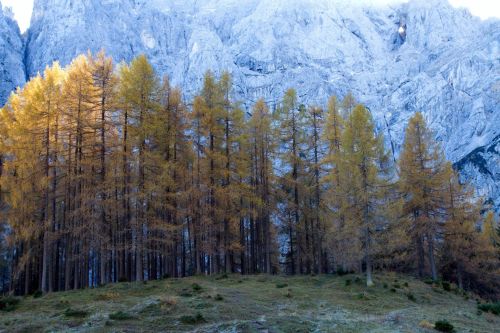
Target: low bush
37, 294
75, 313
490, 307
347, 282
120, 315
8, 303
196, 287
192, 320
281, 285
443, 326
185, 293
411, 297
122, 279
393, 290
218, 297
446, 285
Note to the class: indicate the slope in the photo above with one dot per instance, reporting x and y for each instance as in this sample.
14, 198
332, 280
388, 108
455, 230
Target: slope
252, 304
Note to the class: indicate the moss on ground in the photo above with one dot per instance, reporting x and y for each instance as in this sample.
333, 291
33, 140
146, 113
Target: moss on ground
251, 304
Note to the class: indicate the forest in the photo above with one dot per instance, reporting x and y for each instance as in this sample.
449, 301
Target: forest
107, 175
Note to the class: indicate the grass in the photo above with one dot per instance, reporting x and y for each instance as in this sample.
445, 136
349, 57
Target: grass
237, 303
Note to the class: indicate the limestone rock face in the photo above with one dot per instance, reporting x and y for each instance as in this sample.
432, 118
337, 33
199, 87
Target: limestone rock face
423, 55
12, 72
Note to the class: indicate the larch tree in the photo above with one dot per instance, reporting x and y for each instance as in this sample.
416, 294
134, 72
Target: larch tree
332, 135
363, 184
423, 180
139, 89
262, 150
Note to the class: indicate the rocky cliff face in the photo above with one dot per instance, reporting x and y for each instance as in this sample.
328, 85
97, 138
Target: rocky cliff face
419, 56
11, 54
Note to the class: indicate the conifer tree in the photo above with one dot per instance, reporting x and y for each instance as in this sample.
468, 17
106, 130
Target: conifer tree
263, 147
423, 179
139, 87
363, 185
291, 117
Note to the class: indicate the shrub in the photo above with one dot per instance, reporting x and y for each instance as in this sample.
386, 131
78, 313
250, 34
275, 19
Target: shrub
396, 285
75, 313
122, 279
281, 285
185, 293
446, 285
444, 326
222, 276
393, 290
385, 285
490, 307
357, 280
196, 287
37, 294
9, 303
406, 284
411, 297
120, 315
218, 297
191, 320
428, 281
347, 282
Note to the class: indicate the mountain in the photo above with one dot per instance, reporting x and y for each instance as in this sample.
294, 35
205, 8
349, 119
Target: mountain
424, 55
12, 72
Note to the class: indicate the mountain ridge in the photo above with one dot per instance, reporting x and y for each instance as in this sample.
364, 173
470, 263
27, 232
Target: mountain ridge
396, 59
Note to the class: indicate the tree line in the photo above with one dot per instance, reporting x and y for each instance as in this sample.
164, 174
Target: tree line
107, 174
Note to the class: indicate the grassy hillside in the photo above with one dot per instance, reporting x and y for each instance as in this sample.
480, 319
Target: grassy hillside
252, 304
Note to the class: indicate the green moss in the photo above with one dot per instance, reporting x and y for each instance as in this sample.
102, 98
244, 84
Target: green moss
443, 326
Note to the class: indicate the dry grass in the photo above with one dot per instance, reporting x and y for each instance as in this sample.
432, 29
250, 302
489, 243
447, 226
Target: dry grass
252, 304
